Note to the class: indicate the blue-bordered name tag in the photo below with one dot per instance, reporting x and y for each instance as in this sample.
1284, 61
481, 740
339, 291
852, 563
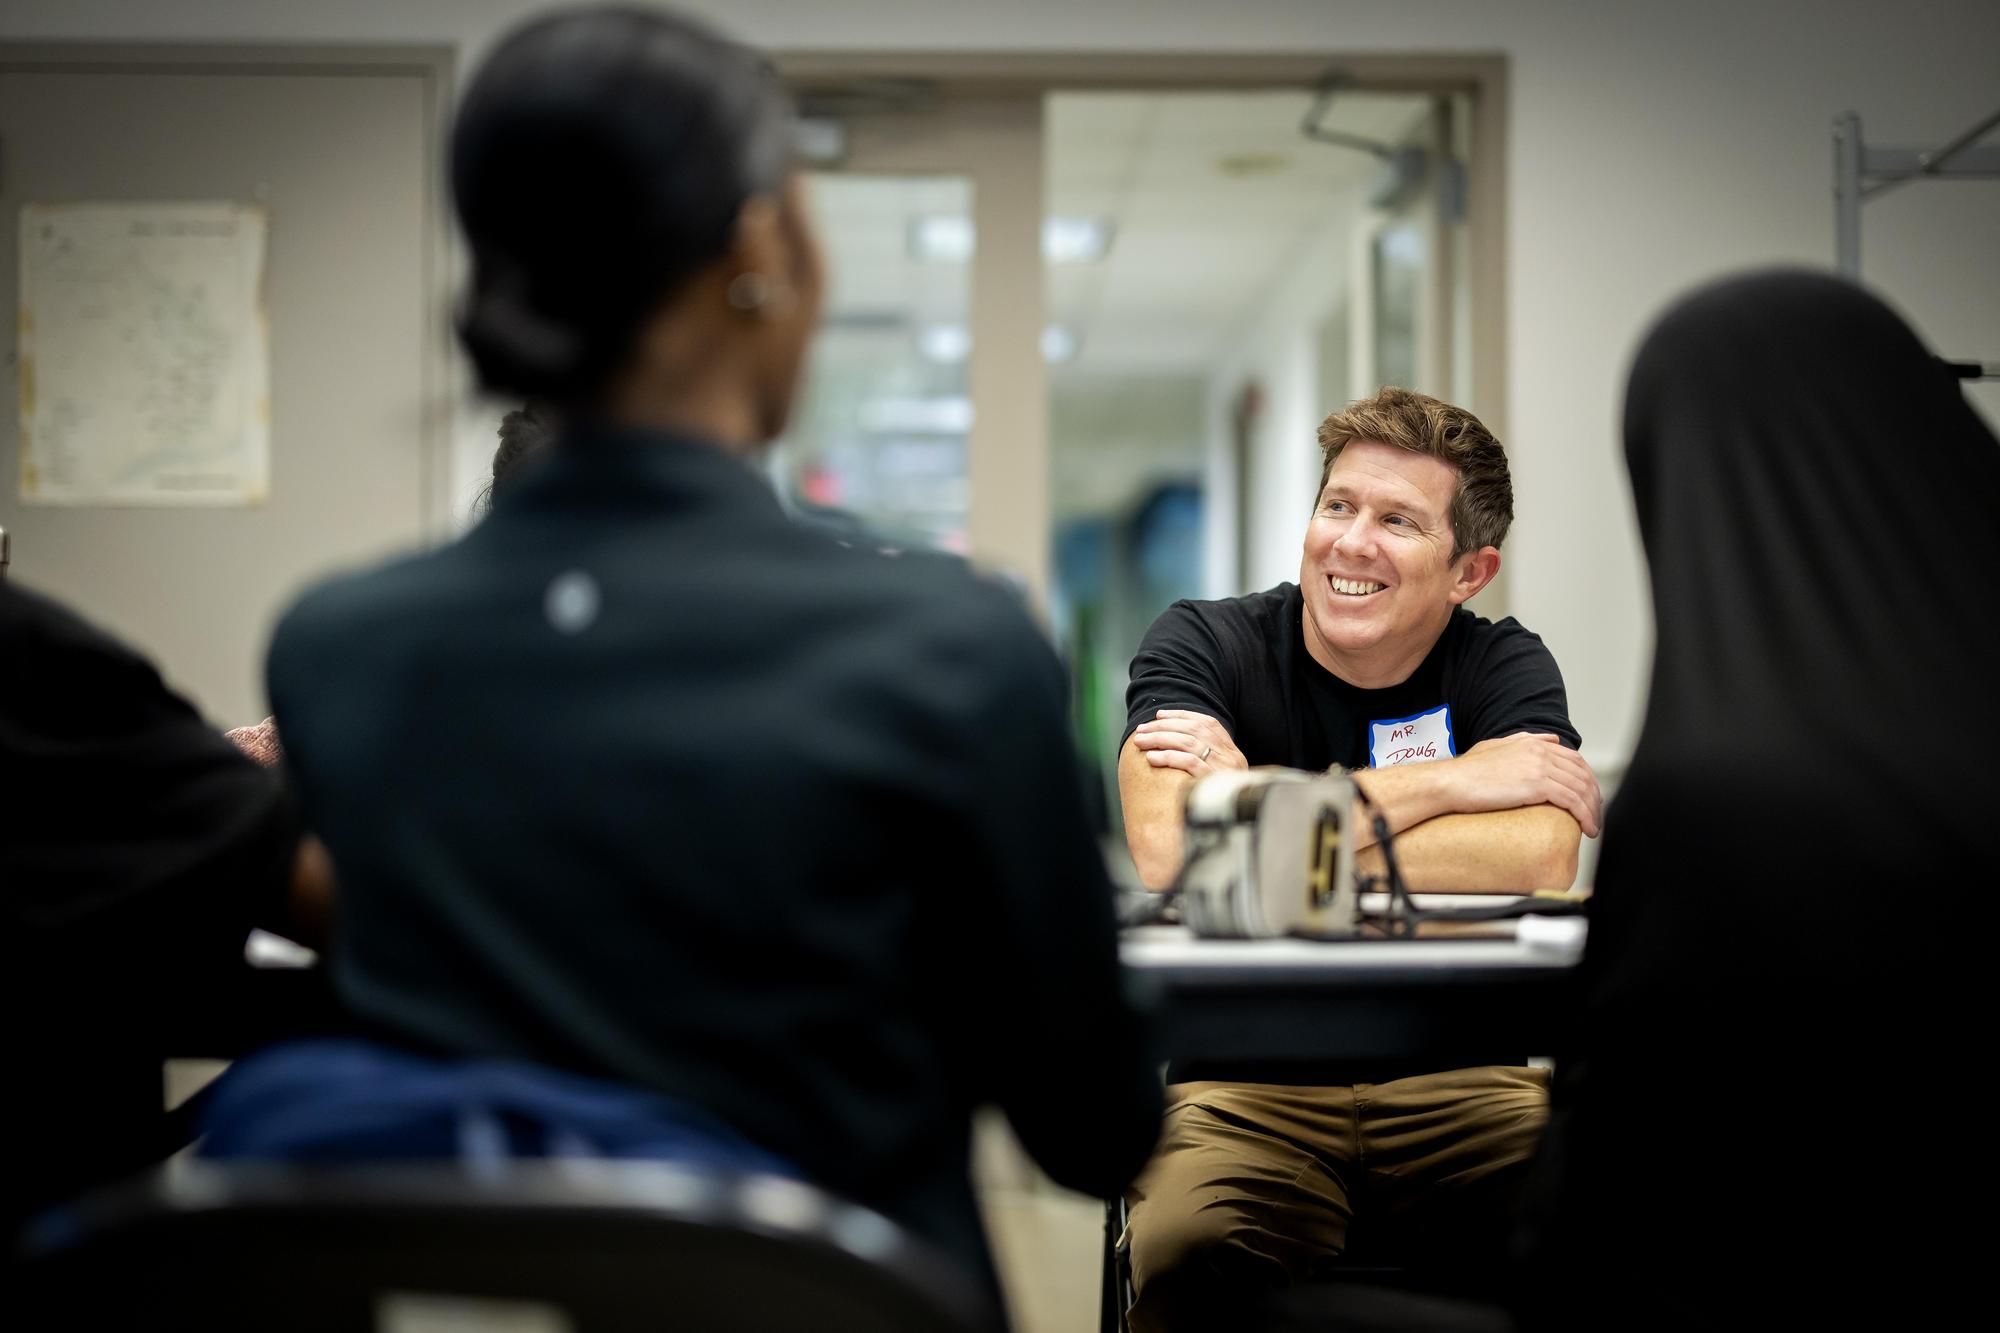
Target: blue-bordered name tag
1417, 739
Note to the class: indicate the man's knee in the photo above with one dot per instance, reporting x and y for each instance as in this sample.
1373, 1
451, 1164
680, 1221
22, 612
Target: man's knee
1457, 1127
1190, 1240
1203, 1241
1505, 1119
1453, 1154
1194, 1262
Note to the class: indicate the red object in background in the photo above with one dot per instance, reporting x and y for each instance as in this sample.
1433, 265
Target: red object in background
818, 485
1249, 405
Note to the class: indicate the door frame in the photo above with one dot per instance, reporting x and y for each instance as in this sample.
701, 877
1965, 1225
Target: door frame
434, 66
1013, 477
994, 142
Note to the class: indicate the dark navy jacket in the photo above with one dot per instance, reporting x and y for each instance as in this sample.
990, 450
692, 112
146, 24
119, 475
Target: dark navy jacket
643, 780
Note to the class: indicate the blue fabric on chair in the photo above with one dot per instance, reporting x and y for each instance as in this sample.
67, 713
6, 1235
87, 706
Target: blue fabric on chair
348, 1100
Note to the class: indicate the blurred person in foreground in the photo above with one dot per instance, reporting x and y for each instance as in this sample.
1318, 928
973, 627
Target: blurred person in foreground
1772, 1115
137, 851
642, 783
525, 435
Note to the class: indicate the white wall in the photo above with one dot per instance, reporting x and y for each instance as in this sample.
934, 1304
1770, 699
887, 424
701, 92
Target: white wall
1652, 146
1115, 435
1278, 348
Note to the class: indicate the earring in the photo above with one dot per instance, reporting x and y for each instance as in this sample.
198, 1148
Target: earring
753, 293
749, 291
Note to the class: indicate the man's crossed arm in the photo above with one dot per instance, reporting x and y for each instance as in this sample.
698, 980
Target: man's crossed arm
1504, 817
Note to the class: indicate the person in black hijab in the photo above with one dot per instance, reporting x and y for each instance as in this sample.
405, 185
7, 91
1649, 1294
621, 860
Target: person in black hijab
643, 781
1772, 1115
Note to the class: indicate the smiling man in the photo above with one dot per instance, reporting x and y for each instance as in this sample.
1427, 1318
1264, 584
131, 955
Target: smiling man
1457, 727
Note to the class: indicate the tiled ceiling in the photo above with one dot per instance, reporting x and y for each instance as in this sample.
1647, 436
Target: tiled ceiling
864, 223
1211, 198
1209, 195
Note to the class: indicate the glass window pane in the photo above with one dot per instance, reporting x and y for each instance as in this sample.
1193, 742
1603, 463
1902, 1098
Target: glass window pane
878, 438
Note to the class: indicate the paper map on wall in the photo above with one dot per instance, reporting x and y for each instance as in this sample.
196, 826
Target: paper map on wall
144, 363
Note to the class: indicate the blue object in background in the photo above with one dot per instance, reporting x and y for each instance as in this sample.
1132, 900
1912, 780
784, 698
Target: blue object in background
1113, 576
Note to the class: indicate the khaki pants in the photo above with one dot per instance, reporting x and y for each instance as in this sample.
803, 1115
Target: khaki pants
1255, 1186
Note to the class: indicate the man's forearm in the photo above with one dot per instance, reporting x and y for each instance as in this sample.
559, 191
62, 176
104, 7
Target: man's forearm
1502, 818
1490, 821
1153, 801
1405, 797
1499, 851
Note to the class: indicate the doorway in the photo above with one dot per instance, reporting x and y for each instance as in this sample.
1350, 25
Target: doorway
1195, 261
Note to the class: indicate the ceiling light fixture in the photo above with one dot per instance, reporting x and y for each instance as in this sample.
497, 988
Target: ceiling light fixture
947, 344
949, 238
1059, 345
951, 344
950, 414
1075, 240
941, 238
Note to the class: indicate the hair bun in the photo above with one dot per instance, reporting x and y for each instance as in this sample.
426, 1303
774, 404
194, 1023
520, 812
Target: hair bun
517, 350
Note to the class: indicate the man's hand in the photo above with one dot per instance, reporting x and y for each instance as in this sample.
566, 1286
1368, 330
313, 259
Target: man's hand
1155, 767
1533, 768
1194, 743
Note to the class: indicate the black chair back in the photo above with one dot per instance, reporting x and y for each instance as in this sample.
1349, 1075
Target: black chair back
527, 1248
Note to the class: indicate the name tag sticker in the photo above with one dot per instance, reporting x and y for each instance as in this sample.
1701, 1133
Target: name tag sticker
1411, 740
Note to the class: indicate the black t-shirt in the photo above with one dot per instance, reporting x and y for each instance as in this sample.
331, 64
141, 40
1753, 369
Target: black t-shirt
1243, 661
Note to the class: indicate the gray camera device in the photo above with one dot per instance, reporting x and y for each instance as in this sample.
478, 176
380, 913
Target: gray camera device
1269, 852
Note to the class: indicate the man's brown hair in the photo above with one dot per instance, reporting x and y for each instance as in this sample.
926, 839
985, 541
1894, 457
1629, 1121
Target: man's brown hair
1482, 504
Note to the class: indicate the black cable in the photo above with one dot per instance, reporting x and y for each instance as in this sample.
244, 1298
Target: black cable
1400, 922
1404, 916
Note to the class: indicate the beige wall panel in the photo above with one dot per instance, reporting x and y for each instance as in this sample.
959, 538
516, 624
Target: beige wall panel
342, 159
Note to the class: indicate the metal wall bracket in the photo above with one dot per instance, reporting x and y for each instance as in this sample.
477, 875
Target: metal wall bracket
1861, 173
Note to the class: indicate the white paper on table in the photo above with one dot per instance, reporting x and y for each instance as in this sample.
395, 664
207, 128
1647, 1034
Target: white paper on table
145, 358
